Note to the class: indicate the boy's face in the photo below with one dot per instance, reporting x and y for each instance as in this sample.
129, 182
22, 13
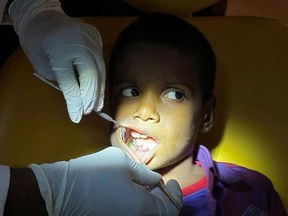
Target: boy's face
155, 95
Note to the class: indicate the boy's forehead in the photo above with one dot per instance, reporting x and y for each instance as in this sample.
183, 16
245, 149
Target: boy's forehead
155, 63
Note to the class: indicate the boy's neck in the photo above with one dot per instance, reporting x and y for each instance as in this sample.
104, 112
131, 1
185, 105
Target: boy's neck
185, 172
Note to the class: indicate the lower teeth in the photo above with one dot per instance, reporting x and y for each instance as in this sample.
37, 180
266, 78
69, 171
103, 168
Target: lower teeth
131, 145
134, 145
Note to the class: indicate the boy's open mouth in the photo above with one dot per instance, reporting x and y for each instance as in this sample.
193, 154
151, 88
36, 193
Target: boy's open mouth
141, 144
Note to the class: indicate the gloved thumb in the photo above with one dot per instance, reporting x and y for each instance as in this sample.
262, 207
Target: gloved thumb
142, 175
175, 190
164, 202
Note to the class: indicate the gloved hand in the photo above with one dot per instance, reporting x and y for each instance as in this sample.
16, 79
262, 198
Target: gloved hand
56, 44
105, 183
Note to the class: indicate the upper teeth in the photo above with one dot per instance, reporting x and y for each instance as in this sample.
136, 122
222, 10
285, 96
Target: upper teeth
143, 145
137, 135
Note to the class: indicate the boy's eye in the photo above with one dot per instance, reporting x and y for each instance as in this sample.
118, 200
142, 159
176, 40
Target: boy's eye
174, 95
130, 92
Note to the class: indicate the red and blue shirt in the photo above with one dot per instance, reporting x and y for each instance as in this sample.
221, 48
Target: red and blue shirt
230, 190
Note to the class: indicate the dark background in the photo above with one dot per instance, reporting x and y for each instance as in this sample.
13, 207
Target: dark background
75, 8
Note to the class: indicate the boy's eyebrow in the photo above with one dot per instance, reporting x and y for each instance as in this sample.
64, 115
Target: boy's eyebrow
169, 83
122, 83
186, 84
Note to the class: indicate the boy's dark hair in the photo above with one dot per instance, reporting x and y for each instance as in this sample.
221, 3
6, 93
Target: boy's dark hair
169, 31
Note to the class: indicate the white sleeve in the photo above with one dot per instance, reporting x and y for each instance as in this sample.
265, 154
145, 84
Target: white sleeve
4, 186
4, 20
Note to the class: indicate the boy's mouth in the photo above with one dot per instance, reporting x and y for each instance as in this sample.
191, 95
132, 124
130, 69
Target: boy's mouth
140, 144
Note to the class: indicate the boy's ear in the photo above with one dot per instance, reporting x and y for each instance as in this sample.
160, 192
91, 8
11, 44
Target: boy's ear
208, 114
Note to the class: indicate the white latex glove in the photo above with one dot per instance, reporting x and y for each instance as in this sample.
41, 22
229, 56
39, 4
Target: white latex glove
54, 44
103, 184
4, 186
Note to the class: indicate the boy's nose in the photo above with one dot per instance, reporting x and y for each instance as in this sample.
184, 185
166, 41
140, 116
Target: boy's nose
146, 111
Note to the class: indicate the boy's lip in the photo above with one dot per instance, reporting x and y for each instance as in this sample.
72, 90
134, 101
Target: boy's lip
140, 131
144, 156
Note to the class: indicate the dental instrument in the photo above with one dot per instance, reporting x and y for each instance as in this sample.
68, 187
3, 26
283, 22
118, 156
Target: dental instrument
101, 114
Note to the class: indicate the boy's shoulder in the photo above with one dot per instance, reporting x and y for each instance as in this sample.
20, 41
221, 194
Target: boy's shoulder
234, 182
233, 173
229, 173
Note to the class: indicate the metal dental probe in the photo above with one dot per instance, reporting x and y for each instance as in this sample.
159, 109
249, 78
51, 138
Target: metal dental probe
128, 151
101, 114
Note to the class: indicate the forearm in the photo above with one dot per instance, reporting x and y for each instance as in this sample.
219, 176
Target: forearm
24, 197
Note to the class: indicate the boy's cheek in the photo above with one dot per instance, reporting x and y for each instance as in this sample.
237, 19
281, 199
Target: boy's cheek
114, 139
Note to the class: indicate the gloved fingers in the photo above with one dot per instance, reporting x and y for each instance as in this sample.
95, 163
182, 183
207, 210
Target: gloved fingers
92, 69
164, 202
83, 92
175, 190
69, 86
59, 43
85, 53
92, 82
142, 175
41, 65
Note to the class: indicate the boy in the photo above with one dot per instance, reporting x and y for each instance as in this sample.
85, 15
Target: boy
162, 73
